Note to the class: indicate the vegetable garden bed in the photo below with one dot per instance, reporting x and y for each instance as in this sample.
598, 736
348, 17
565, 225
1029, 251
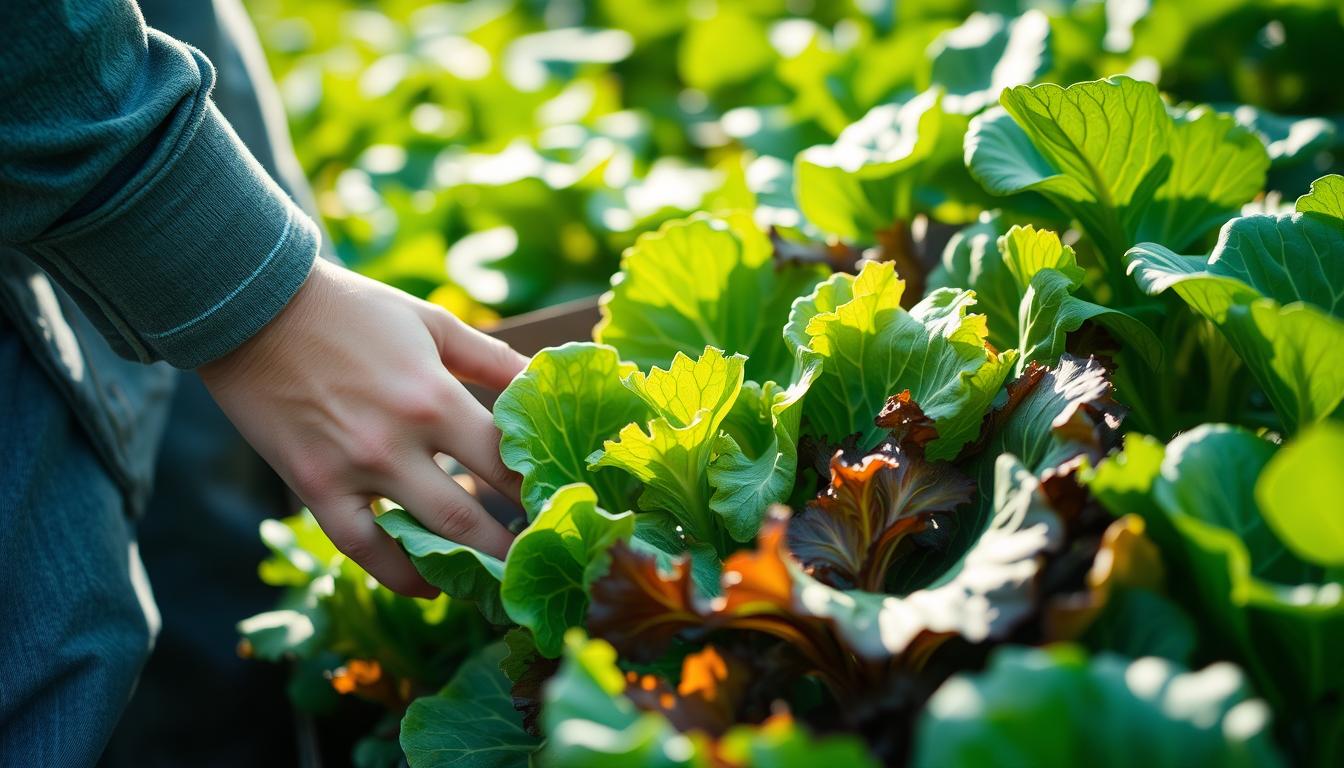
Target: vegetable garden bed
1068, 494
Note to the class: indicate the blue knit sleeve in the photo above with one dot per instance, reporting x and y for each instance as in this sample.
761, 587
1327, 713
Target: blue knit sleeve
122, 179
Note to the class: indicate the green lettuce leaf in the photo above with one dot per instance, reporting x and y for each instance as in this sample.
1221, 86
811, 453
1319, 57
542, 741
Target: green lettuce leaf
1054, 707
1299, 488
1325, 201
557, 412
704, 282
871, 349
332, 614
1025, 288
1027, 251
460, 571
672, 458
1044, 274
471, 723
552, 562
1274, 286
1050, 311
757, 454
1216, 165
1109, 154
972, 260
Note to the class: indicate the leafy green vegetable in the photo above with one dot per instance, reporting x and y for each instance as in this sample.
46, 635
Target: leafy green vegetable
717, 452
495, 156
757, 457
671, 459
1273, 287
972, 260
1097, 150
1050, 420
1031, 285
551, 563
557, 412
345, 634
983, 594
702, 283
1325, 201
1054, 707
1215, 167
1051, 417
987, 591
471, 723
850, 535
871, 348
1110, 155
458, 570
1298, 488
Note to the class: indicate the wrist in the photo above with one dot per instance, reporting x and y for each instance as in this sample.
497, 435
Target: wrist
261, 349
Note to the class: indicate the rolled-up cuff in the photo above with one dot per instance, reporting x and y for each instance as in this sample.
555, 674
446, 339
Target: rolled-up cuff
201, 255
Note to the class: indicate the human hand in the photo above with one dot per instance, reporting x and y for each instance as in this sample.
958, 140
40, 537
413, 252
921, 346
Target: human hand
350, 392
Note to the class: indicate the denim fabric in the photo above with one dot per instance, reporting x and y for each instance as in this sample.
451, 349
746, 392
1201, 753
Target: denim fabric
76, 616
122, 405
198, 704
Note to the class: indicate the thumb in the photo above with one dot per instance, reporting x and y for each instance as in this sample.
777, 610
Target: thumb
470, 354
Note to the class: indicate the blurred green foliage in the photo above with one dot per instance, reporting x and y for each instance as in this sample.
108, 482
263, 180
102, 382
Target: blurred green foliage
498, 155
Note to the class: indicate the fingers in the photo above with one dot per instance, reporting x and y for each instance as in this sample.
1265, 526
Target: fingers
444, 507
349, 523
473, 355
469, 435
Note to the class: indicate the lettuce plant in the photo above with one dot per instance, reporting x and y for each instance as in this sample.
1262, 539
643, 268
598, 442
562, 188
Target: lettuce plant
1112, 156
1273, 287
